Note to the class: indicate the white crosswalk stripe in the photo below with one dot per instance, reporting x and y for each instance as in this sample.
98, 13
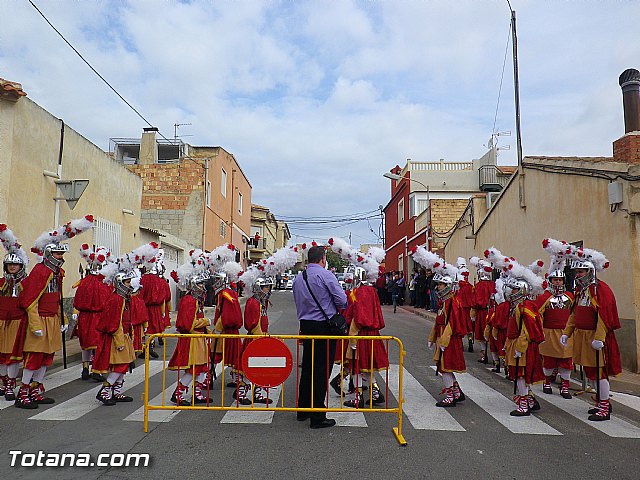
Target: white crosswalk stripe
84, 403
343, 419
245, 416
419, 406
499, 406
615, 427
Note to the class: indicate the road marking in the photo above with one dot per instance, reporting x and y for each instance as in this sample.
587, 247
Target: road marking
53, 381
578, 408
84, 403
630, 401
343, 419
254, 416
162, 415
419, 406
499, 406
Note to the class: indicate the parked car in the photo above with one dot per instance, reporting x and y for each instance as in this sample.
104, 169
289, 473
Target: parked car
290, 280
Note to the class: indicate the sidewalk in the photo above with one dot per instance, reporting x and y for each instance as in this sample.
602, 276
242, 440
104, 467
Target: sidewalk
626, 382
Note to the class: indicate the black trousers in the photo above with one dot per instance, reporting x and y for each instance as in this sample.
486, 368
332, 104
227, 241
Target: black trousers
322, 358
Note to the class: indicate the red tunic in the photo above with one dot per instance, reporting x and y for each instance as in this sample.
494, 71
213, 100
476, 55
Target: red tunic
190, 354
342, 347
467, 299
88, 300
483, 291
116, 312
167, 303
256, 320
368, 321
228, 318
529, 319
449, 328
13, 325
154, 295
139, 317
498, 321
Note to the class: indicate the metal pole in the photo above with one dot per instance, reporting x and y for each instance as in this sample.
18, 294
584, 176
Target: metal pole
516, 87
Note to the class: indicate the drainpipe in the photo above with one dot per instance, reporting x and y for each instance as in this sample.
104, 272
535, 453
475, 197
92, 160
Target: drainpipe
56, 214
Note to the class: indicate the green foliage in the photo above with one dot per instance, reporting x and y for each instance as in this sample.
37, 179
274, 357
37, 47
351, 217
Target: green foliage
335, 261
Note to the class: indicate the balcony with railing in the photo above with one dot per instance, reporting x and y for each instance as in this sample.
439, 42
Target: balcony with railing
491, 179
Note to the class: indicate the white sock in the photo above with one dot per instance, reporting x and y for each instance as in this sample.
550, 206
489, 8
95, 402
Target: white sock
547, 371
482, 347
201, 377
13, 369
86, 355
564, 373
38, 375
186, 378
522, 387
112, 378
27, 375
604, 389
448, 379
495, 356
3, 370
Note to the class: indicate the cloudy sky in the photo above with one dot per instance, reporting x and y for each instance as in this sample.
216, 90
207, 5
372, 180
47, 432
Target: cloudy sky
318, 98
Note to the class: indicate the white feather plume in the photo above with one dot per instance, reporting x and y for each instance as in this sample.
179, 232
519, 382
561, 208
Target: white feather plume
11, 244
233, 270
62, 233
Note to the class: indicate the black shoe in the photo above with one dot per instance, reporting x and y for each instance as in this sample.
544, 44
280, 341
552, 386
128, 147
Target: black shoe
470, 349
461, 398
535, 407
153, 354
596, 409
547, 389
327, 422
335, 384
518, 413
161, 342
496, 368
302, 416
85, 374
379, 400
598, 418
96, 377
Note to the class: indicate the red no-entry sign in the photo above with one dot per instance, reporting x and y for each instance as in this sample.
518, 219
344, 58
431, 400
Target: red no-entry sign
267, 362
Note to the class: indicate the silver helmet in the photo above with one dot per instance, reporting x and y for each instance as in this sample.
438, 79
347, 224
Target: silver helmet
556, 290
483, 274
49, 260
258, 289
196, 283
220, 282
445, 280
515, 289
590, 277
14, 259
119, 283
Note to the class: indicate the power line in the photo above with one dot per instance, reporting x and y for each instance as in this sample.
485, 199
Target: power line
504, 62
95, 71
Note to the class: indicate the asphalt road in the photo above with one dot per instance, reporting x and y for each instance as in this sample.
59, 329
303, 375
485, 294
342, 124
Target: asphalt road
474, 440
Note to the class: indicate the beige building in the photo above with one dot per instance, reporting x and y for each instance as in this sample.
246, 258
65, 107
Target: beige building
267, 233
38, 149
593, 201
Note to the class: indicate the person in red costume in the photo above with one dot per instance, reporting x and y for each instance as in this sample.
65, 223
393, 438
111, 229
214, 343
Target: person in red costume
483, 291
496, 331
449, 328
139, 315
191, 355
368, 356
228, 320
153, 291
115, 350
524, 330
466, 296
13, 321
592, 326
41, 298
343, 349
90, 295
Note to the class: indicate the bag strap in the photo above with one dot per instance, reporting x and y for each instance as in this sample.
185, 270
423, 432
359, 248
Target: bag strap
304, 275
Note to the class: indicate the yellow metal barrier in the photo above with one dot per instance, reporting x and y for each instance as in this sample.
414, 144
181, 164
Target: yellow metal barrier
212, 340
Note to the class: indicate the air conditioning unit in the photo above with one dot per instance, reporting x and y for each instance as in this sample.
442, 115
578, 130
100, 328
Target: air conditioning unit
491, 199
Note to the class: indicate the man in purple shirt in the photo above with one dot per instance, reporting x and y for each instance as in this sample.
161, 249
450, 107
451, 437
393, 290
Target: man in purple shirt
331, 297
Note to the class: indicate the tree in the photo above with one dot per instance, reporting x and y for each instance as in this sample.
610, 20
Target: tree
334, 260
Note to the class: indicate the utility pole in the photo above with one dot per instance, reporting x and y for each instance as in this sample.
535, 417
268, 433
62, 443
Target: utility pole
516, 86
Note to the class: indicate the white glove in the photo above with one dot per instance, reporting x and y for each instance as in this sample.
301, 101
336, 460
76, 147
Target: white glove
597, 344
64, 328
38, 333
518, 354
430, 345
442, 347
353, 347
74, 317
120, 348
564, 340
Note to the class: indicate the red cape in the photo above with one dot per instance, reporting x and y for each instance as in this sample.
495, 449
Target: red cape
35, 284
366, 309
482, 292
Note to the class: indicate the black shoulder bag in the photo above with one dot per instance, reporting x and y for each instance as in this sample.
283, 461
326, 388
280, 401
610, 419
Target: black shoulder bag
337, 323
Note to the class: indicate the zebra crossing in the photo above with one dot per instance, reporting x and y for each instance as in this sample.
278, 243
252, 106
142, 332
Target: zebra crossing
419, 408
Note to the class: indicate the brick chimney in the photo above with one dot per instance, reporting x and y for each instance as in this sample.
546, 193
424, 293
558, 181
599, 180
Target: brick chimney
627, 148
148, 147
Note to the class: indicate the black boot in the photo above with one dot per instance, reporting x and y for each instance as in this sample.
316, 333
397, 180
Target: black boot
335, 383
85, 373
